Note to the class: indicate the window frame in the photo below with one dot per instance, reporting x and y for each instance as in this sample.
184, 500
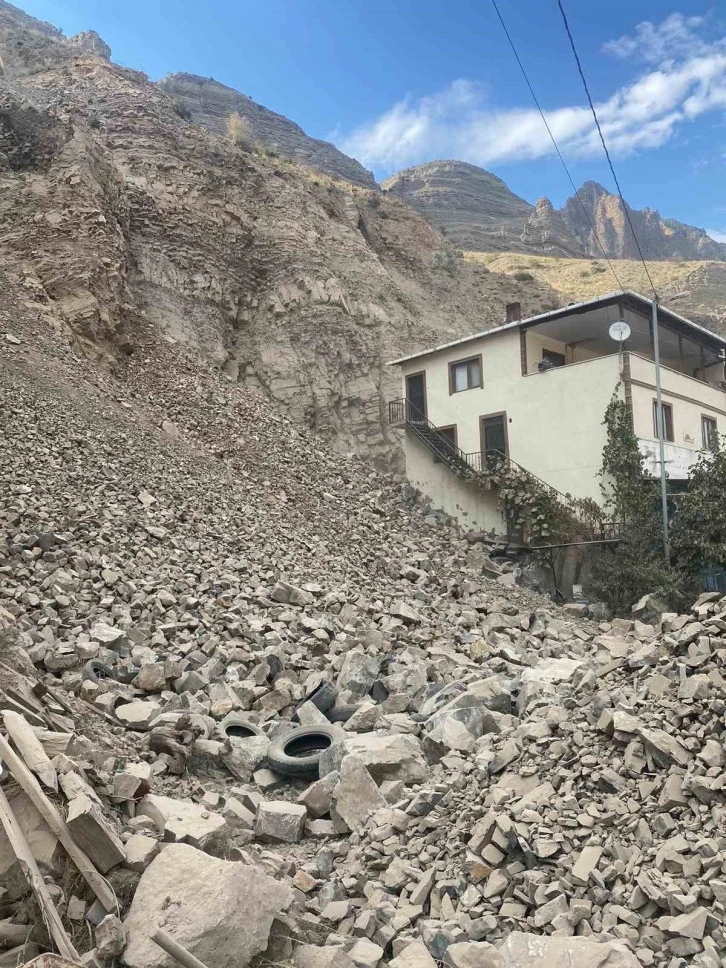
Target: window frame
409, 376
466, 360
482, 431
704, 444
667, 410
551, 353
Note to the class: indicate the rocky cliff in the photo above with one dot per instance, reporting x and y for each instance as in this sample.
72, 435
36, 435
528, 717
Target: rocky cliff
125, 224
477, 211
210, 104
659, 238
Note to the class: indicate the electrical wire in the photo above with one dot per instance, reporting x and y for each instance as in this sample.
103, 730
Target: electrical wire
556, 146
604, 145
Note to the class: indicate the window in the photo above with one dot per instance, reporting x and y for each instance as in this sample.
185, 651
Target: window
494, 434
558, 359
709, 433
449, 445
667, 421
465, 374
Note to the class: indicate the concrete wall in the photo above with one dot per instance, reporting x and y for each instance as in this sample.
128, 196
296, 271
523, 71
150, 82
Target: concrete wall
475, 509
690, 400
554, 419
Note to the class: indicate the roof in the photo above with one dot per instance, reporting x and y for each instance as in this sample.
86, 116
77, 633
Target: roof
635, 299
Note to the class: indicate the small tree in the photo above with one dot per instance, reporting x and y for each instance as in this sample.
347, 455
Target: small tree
698, 535
239, 131
636, 565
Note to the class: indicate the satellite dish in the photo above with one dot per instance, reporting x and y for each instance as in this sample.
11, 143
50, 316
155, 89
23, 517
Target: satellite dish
619, 331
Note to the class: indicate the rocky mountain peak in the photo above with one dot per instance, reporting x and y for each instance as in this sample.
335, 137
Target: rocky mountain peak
210, 103
545, 231
91, 43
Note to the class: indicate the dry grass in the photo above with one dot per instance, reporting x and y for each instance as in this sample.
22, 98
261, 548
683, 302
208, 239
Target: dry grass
579, 279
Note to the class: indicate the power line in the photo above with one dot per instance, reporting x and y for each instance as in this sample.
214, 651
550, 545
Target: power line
556, 146
604, 145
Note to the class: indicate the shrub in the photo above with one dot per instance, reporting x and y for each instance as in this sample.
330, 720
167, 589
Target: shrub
180, 108
239, 131
523, 276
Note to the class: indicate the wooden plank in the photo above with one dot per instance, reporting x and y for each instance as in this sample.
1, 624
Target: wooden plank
30, 749
176, 950
57, 825
35, 880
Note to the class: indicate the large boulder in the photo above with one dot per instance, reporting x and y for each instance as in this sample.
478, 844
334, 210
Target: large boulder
395, 757
521, 950
221, 911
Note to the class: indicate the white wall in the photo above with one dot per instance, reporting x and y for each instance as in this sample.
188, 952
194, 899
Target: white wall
554, 419
690, 400
476, 510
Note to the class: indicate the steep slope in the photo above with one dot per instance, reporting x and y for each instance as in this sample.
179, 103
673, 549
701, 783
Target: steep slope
118, 216
659, 238
473, 208
209, 103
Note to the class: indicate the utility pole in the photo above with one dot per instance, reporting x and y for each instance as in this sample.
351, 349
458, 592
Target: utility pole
660, 427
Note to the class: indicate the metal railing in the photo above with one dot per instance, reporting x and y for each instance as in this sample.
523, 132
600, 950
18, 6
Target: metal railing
487, 464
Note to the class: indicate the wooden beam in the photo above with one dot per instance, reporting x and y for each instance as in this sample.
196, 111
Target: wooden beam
57, 825
30, 749
35, 880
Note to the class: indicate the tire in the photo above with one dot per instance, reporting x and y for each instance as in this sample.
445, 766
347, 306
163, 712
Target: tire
236, 727
298, 753
323, 696
97, 671
342, 713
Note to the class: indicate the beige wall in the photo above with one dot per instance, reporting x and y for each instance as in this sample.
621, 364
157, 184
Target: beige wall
551, 432
536, 342
474, 509
690, 400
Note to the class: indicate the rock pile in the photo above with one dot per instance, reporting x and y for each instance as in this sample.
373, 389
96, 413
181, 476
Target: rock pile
201, 586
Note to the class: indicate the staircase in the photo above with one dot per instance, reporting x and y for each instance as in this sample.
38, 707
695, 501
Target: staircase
480, 468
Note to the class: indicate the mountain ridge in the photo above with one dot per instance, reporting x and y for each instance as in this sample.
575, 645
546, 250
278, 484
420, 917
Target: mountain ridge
457, 198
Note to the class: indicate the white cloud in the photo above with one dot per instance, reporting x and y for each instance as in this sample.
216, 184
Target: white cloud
718, 235
460, 122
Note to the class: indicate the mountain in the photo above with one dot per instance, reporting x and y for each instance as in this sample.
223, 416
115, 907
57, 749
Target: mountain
209, 103
473, 208
478, 212
128, 227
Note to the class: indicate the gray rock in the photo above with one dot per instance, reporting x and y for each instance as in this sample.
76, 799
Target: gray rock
278, 821
356, 796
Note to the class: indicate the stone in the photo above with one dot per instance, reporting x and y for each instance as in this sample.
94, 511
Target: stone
310, 956
520, 950
138, 714
414, 955
278, 821
586, 863
181, 821
243, 756
110, 937
220, 911
472, 954
140, 851
318, 797
392, 757
356, 795
93, 833
365, 953
689, 925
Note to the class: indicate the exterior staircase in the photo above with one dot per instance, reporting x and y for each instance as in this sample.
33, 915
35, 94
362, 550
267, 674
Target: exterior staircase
480, 468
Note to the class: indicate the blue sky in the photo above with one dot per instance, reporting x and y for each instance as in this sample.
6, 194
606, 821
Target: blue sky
398, 83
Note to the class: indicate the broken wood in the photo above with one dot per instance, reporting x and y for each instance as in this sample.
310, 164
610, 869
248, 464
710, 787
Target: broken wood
176, 950
30, 749
57, 825
35, 880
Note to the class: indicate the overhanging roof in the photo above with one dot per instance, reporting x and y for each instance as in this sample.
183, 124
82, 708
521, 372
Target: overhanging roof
628, 299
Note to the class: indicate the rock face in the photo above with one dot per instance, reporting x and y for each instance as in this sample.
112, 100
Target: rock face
90, 42
659, 238
126, 224
477, 211
210, 104
473, 208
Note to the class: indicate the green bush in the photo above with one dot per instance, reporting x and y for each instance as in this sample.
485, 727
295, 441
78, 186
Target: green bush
523, 276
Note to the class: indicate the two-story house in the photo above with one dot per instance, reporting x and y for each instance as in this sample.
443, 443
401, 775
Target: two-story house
536, 391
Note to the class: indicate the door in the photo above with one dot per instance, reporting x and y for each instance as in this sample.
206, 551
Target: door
494, 434
416, 395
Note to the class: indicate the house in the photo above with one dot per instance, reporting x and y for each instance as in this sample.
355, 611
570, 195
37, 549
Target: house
535, 391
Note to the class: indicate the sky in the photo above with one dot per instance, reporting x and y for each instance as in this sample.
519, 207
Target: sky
399, 82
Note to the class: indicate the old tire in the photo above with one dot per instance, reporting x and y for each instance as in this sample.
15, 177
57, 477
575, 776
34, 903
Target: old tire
323, 696
97, 671
342, 713
236, 727
298, 753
